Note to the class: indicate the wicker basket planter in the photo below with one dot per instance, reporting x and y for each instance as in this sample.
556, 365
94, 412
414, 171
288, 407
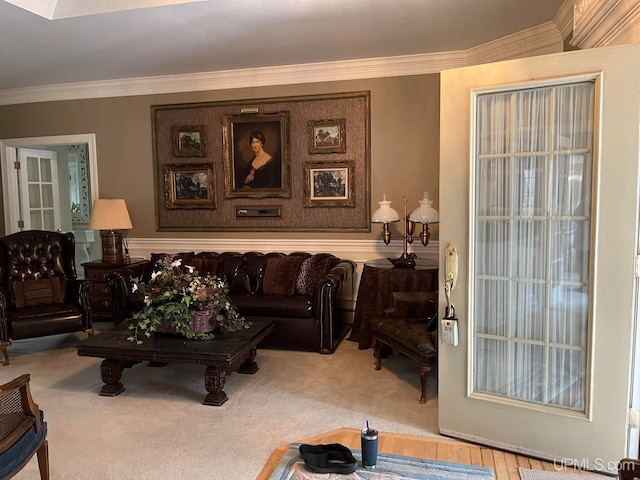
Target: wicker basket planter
203, 322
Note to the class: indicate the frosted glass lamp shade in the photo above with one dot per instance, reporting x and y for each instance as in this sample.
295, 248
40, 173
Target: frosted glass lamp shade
385, 214
425, 213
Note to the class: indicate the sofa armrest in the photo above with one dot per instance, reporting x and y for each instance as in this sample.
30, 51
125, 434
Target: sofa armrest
325, 301
119, 280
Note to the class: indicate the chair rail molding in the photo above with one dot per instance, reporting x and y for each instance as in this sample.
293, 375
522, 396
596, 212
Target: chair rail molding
358, 251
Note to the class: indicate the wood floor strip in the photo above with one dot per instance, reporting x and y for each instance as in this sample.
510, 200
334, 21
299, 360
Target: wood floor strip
504, 464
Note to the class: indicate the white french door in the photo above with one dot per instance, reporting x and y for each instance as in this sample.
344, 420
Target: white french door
539, 193
39, 190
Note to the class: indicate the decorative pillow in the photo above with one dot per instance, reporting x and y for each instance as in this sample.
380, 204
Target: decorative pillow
43, 291
311, 271
280, 275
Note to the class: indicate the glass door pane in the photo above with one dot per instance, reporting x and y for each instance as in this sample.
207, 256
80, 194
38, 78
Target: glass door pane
532, 231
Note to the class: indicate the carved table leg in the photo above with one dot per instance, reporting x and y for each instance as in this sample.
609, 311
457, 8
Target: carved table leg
111, 372
377, 353
214, 380
423, 370
249, 365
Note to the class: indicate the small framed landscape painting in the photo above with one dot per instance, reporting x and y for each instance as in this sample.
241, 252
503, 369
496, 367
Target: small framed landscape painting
189, 186
329, 184
188, 141
327, 136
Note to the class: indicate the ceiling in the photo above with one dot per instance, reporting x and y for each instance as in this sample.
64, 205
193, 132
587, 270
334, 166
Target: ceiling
220, 35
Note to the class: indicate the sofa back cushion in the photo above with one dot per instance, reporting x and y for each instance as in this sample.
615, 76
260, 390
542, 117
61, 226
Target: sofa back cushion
281, 274
205, 266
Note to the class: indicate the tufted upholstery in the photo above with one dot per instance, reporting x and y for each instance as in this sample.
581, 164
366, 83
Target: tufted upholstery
34, 255
309, 321
409, 327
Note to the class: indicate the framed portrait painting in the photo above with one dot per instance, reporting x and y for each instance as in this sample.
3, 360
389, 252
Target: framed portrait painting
189, 186
256, 155
329, 184
188, 141
327, 136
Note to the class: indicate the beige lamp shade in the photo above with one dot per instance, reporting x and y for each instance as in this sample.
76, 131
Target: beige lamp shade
109, 215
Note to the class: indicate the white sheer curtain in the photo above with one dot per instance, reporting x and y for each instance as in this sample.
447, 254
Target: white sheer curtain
531, 231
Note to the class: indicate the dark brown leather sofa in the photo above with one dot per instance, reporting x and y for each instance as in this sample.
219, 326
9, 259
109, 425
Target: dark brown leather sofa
40, 294
298, 291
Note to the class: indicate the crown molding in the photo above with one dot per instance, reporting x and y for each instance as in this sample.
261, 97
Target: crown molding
605, 22
533, 41
540, 40
564, 18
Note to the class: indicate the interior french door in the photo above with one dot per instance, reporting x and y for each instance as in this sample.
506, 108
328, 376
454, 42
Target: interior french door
539, 193
39, 190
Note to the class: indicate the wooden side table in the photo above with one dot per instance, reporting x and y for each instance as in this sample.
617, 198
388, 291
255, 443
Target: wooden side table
378, 280
100, 297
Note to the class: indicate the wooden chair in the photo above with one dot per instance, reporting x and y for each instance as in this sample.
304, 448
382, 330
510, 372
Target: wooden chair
39, 291
409, 327
629, 469
23, 430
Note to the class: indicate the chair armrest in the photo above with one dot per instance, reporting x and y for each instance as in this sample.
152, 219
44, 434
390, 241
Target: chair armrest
81, 289
29, 407
325, 301
4, 322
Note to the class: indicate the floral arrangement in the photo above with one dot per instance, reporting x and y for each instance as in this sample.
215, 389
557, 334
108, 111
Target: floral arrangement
174, 293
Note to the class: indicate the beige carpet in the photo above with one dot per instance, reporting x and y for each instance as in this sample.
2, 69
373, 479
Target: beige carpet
527, 474
158, 428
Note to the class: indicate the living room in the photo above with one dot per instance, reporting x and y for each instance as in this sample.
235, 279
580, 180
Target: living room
405, 106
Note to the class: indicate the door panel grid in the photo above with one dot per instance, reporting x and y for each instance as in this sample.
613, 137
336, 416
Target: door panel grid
532, 229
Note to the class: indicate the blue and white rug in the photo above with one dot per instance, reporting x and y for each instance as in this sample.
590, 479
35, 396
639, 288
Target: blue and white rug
389, 467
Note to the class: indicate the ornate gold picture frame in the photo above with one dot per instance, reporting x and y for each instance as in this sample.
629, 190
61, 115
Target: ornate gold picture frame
327, 136
189, 186
256, 155
189, 141
329, 184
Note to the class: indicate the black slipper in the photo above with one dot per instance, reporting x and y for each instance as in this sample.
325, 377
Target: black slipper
330, 458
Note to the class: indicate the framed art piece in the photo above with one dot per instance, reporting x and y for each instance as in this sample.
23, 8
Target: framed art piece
327, 136
189, 186
188, 141
256, 155
329, 184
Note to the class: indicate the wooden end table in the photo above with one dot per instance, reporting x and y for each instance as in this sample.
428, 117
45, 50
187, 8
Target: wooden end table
223, 355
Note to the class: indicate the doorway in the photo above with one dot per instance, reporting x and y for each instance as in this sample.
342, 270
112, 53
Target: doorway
53, 189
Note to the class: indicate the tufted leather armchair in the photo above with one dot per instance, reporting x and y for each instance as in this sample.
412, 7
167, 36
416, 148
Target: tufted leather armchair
40, 294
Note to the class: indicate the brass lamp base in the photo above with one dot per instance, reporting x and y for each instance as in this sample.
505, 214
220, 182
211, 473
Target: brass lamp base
111, 247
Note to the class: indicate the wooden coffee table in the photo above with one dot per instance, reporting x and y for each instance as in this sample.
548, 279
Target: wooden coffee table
224, 354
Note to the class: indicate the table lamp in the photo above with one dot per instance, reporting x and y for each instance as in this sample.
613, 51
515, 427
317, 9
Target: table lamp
109, 215
424, 214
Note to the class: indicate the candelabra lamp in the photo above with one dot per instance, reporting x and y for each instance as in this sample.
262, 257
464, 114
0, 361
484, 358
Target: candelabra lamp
109, 215
424, 214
